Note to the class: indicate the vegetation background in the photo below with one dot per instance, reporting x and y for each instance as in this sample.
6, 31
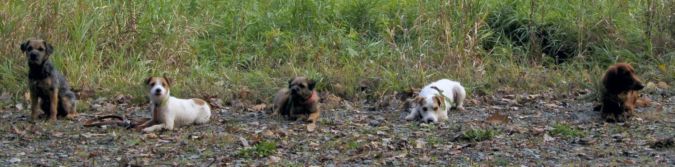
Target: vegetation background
214, 48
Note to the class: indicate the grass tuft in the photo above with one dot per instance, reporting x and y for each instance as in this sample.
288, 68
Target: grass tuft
564, 130
476, 135
262, 149
217, 48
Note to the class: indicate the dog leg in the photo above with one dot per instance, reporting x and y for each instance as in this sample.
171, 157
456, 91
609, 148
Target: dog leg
413, 114
313, 117
34, 103
154, 128
54, 103
168, 124
70, 104
459, 98
444, 113
151, 121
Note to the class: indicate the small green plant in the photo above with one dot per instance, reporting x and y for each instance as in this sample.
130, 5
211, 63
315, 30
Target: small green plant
262, 149
476, 135
351, 145
432, 140
565, 130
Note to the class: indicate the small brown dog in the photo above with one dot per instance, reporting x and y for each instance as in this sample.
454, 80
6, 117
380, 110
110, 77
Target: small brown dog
299, 100
46, 83
619, 96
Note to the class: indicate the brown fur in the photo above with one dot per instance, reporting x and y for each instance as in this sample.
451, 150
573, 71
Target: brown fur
49, 89
619, 95
166, 82
299, 100
199, 101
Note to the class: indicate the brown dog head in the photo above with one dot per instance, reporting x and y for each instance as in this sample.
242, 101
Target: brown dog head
302, 87
621, 77
37, 51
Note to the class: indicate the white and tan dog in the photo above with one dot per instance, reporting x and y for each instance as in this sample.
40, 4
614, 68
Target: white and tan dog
169, 112
434, 101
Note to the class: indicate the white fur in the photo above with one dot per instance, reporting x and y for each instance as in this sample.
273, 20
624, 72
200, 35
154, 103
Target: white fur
454, 95
175, 112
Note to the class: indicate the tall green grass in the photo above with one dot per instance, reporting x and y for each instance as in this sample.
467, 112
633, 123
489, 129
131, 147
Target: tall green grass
214, 48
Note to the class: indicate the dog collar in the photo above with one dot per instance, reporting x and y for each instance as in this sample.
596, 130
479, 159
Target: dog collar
440, 92
309, 100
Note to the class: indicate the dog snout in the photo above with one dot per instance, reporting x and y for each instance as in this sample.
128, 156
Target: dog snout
294, 89
639, 86
428, 120
33, 56
158, 92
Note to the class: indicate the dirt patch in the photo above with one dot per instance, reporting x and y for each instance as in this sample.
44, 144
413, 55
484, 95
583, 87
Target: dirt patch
537, 130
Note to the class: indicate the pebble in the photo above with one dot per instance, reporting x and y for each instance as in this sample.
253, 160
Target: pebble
14, 160
530, 153
374, 123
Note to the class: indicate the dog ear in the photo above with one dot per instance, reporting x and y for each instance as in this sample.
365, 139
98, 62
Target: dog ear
439, 99
24, 46
147, 80
290, 82
310, 84
419, 100
168, 81
48, 48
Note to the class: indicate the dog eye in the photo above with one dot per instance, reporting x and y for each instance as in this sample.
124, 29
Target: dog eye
424, 109
301, 86
435, 108
41, 49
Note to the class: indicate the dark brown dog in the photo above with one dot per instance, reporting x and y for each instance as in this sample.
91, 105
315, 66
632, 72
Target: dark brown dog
299, 100
620, 95
46, 83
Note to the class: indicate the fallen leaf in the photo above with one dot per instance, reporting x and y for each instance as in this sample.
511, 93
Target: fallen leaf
26, 96
258, 108
17, 131
109, 107
455, 152
150, 136
551, 105
497, 118
311, 127
57, 134
244, 142
537, 131
663, 85
548, 138
420, 143
314, 144
268, 134
5, 96
19, 106
273, 159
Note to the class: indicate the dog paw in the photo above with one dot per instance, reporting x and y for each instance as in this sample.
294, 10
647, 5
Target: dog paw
72, 116
311, 127
461, 109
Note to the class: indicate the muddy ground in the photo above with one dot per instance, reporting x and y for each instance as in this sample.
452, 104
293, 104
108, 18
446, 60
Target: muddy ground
530, 129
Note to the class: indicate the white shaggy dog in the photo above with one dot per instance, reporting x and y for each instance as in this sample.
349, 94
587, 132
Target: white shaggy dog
169, 112
434, 101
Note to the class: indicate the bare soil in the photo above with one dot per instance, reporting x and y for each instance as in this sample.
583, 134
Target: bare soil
361, 132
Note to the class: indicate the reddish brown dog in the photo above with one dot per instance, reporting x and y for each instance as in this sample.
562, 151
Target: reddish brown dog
620, 95
299, 100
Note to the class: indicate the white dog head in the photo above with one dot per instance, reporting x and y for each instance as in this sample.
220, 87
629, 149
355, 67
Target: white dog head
429, 108
159, 87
